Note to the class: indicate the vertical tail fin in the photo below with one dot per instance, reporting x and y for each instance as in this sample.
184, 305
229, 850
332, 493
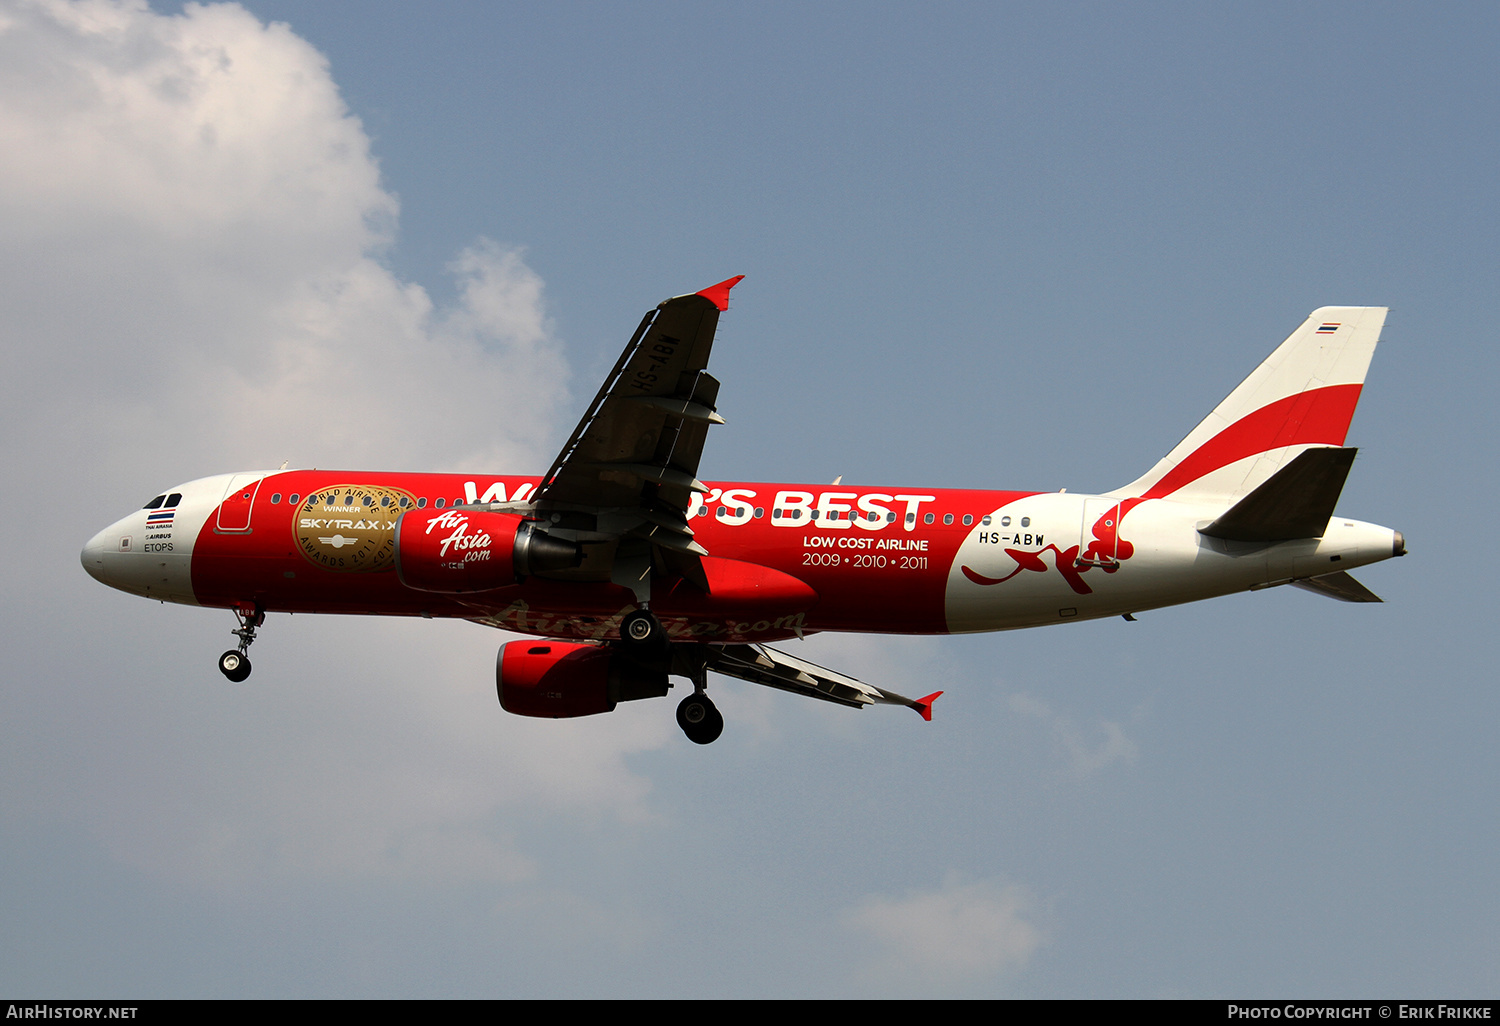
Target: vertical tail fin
1302, 396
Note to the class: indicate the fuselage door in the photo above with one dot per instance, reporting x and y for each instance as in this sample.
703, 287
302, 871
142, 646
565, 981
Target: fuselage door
239, 497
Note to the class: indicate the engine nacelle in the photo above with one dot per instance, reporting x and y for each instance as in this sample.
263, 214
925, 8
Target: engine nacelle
453, 551
568, 678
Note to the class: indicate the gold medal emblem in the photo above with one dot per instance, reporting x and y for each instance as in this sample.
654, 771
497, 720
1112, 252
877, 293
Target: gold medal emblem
351, 528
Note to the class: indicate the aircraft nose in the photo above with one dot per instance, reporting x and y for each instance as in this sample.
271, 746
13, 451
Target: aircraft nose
92, 556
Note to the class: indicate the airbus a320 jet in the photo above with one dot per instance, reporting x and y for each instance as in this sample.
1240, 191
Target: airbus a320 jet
627, 570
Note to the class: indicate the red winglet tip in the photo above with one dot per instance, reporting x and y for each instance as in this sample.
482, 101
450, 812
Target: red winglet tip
924, 705
718, 294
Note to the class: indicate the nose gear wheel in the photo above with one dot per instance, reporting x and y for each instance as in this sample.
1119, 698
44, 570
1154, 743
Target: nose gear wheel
234, 664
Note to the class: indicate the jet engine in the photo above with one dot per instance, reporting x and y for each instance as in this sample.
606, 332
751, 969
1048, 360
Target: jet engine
453, 551
567, 678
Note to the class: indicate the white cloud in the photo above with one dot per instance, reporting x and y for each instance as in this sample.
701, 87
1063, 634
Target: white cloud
191, 233
956, 933
1086, 756
194, 223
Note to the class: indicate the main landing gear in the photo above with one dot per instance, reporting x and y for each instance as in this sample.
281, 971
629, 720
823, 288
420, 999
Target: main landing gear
234, 664
643, 636
642, 631
700, 719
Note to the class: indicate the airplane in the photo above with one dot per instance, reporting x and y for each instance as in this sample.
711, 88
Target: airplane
626, 570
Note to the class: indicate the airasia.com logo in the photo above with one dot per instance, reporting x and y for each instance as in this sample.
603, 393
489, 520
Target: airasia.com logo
460, 540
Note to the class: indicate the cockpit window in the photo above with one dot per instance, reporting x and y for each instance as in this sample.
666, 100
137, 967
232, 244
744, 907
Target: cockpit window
173, 499
155, 503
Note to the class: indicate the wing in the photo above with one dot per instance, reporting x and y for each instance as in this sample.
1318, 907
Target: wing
775, 669
625, 478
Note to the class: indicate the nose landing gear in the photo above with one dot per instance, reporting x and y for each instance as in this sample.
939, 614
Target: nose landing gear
234, 664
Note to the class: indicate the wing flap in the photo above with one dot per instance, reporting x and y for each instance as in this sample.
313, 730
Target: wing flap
773, 668
647, 472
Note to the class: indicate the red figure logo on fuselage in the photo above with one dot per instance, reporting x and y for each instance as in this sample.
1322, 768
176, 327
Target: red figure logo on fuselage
1105, 551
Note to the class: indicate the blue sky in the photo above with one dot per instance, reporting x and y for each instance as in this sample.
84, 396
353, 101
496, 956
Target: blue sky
985, 246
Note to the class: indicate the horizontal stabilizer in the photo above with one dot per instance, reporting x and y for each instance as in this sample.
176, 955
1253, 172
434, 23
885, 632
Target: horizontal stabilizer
1340, 586
1295, 502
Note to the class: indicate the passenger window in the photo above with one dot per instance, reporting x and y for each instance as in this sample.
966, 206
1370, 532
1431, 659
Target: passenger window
294, 498
422, 502
275, 498
947, 518
985, 520
760, 511
968, 519
1025, 521
1005, 521
929, 518
440, 503
890, 518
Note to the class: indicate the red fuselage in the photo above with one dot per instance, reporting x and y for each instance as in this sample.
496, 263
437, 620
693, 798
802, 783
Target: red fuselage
780, 570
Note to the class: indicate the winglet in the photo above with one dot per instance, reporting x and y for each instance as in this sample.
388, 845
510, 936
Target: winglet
924, 705
718, 294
